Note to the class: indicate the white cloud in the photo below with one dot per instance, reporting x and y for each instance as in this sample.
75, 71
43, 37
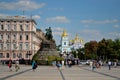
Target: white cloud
58, 19
57, 29
21, 5
57, 33
88, 35
55, 9
3, 15
114, 34
36, 17
98, 22
91, 32
116, 26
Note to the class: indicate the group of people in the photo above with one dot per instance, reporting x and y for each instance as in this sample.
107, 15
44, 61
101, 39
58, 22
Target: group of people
97, 64
17, 67
61, 64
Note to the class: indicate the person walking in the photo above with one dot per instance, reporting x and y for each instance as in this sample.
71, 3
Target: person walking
115, 63
69, 63
17, 67
10, 65
91, 64
59, 65
62, 64
109, 64
34, 65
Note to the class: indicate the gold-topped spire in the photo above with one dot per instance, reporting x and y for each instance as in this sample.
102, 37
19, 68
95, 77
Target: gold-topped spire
64, 34
76, 37
81, 40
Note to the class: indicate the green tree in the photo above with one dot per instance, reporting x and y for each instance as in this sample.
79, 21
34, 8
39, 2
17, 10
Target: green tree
81, 53
116, 48
58, 47
91, 49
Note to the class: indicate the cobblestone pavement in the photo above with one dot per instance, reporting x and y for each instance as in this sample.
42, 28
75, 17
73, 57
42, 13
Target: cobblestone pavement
52, 73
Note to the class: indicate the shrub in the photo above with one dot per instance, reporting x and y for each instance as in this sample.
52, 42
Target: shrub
47, 60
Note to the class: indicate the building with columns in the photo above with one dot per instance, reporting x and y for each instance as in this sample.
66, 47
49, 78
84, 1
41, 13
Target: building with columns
18, 38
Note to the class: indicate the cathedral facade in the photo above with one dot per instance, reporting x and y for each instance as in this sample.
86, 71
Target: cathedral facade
68, 45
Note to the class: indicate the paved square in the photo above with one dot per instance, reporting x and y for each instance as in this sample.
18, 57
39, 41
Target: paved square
52, 73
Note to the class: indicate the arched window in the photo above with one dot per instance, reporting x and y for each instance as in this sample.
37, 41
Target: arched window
26, 55
14, 55
20, 55
27, 27
20, 37
7, 56
27, 37
1, 55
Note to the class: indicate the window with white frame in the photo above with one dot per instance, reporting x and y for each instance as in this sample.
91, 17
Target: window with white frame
14, 36
27, 46
64, 43
26, 56
20, 46
8, 27
21, 28
1, 37
8, 46
20, 37
27, 27
27, 37
2, 27
14, 46
1, 46
20, 55
15, 28
14, 55
8, 55
8, 36
1, 55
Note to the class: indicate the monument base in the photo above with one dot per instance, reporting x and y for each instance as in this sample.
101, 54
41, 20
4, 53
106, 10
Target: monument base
48, 48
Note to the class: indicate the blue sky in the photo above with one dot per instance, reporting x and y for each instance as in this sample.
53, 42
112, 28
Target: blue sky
90, 19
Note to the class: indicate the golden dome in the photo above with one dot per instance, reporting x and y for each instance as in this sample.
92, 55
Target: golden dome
76, 38
64, 34
72, 41
81, 40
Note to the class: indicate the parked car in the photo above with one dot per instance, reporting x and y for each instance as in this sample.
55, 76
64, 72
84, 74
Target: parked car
82, 62
88, 62
118, 63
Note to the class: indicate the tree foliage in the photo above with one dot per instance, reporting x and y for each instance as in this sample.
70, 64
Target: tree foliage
104, 49
91, 49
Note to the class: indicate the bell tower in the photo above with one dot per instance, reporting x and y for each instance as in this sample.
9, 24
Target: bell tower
64, 43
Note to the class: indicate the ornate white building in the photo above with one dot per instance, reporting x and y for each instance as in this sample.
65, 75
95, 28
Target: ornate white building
67, 45
65, 48
76, 43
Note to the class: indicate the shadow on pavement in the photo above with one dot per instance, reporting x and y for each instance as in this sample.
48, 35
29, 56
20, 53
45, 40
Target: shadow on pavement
9, 76
103, 74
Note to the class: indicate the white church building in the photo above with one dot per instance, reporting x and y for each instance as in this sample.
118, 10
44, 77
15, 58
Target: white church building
67, 45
